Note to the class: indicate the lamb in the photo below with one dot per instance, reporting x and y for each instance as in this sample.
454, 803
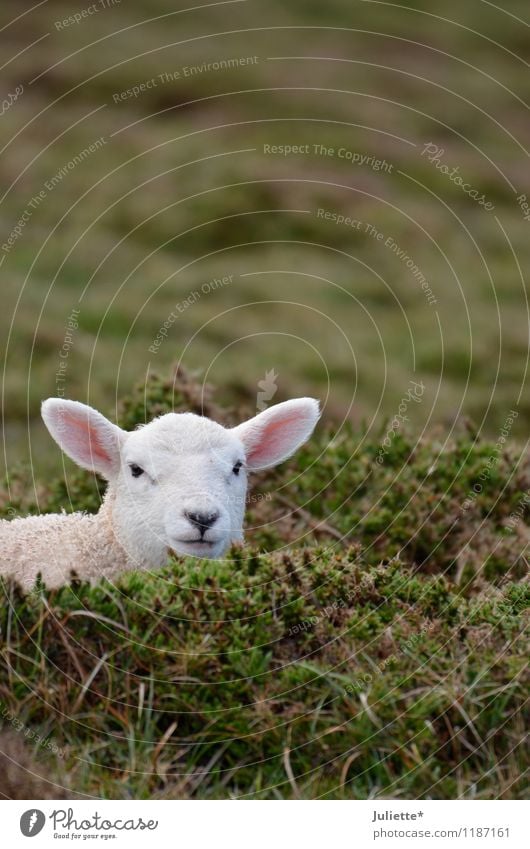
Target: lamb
176, 484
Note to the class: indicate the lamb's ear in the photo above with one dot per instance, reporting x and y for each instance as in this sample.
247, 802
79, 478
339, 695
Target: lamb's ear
85, 435
275, 434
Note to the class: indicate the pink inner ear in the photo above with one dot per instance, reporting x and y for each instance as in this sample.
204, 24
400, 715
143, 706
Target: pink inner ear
81, 430
272, 438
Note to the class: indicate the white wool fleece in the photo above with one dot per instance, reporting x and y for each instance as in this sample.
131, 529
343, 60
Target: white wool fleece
178, 483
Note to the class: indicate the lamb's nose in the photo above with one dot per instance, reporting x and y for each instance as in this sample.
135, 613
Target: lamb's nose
202, 521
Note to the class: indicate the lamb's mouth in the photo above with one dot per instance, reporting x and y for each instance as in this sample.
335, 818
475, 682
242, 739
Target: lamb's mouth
197, 547
198, 541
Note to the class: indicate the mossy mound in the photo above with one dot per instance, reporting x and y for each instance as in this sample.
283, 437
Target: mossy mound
369, 640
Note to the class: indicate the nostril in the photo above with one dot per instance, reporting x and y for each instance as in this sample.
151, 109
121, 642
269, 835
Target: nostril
202, 521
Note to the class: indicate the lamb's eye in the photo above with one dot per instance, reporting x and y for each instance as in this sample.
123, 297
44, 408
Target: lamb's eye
136, 471
237, 467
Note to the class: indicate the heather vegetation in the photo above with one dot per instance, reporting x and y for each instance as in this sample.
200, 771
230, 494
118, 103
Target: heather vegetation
369, 640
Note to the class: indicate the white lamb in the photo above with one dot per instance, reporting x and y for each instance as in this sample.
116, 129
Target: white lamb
177, 484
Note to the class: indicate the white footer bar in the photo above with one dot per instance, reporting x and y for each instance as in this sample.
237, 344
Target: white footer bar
266, 825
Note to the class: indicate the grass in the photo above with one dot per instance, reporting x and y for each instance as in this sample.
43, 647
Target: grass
364, 644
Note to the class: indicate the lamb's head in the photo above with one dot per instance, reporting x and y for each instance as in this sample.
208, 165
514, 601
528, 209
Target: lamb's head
179, 482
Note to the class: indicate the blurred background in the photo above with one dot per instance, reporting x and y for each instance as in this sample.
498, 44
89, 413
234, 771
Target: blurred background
300, 198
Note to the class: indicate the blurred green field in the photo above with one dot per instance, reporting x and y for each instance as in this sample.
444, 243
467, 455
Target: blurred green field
181, 190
